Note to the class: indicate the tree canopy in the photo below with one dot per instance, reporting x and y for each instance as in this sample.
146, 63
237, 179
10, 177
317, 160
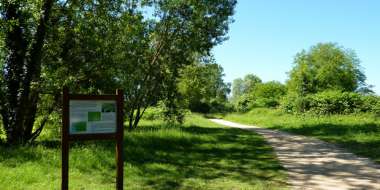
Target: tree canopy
244, 86
268, 94
202, 86
325, 66
97, 46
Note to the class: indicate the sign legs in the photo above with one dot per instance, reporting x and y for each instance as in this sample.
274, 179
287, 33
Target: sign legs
65, 140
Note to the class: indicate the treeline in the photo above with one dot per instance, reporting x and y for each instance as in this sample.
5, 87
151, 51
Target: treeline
94, 47
326, 79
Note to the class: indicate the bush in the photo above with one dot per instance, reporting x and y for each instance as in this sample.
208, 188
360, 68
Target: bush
266, 102
335, 102
267, 94
331, 102
243, 104
154, 113
376, 108
370, 103
220, 107
294, 104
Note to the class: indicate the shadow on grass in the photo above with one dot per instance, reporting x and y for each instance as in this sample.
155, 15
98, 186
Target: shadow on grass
362, 139
201, 153
162, 157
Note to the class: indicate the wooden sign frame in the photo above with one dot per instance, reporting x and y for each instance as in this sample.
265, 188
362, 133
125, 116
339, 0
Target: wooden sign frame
117, 136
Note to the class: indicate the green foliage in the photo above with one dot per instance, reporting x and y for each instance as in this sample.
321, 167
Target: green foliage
291, 104
376, 108
23, 33
334, 102
325, 79
162, 112
243, 104
369, 103
268, 94
326, 66
221, 106
243, 86
94, 47
359, 133
331, 102
154, 113
202, 87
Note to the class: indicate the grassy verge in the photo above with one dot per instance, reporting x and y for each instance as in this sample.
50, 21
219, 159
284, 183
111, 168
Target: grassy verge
197, 155
358, 133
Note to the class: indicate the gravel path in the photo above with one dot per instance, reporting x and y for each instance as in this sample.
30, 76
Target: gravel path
317, 165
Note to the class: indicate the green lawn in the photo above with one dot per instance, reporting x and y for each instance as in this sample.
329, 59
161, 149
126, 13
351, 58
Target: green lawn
197, 155
358, 133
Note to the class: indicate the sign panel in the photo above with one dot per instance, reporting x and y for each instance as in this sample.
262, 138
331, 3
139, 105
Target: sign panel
92, 116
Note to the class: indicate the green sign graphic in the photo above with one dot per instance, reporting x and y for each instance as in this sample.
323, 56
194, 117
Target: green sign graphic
94, 116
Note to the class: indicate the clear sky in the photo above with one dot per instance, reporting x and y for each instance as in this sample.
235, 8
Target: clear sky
267, 34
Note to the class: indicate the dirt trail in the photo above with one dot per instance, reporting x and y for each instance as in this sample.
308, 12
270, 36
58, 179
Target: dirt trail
317, 165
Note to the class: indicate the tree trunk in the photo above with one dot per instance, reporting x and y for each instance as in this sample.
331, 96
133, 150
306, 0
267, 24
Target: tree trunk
23, 66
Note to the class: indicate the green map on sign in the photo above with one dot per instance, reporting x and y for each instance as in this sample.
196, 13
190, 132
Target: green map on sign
94, 116
80, 126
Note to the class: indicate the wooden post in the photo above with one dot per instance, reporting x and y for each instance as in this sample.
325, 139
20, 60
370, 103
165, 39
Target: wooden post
119, 140
65, 140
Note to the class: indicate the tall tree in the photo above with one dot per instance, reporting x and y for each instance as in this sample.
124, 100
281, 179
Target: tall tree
325, 66
244, 86
97, 46
180, 29
202, 85
25, 27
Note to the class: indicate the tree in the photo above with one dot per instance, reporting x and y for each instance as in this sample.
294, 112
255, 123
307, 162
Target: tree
24, 30
180, 29
202, 86
237, 88
97, 46
141, 55
268, 94
244, 86
259, 94
325, 66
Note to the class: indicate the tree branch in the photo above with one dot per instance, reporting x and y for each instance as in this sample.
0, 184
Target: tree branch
38, 131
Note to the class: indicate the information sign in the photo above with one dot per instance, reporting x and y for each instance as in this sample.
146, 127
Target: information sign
92, 117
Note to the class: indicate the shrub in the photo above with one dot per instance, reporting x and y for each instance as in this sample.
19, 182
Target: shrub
266, 102
331, 102
267, 94
154, 113
335, 102
294, 104
376, 108
220, 107
243, 104
370, 103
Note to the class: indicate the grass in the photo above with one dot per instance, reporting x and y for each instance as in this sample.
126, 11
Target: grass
196, 155
359, 133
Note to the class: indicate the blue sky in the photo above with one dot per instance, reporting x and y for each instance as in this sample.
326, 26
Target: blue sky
267, 34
